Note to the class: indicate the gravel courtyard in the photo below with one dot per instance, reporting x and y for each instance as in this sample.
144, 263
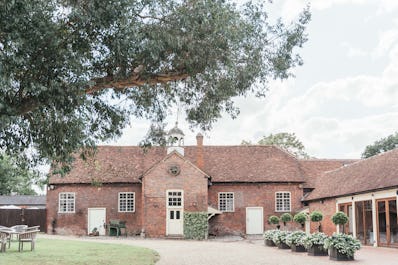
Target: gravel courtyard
242, 252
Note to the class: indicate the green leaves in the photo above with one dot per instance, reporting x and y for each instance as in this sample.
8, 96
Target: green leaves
73, 72
383, 145
195, 225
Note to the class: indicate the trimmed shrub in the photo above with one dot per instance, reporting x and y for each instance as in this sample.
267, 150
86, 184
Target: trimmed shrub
300, 218
273, 220
195, 225
286, 217
339, 218
316, 216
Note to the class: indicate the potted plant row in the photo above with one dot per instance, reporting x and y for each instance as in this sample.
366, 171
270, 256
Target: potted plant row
295, 241
279, 239
341, 246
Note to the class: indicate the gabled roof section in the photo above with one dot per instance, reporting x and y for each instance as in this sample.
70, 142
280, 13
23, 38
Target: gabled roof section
374, 173
111, 164
314, 168
249, 164
122, 164
174, 153
28, 200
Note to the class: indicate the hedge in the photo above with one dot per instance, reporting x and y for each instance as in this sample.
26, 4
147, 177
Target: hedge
195, 225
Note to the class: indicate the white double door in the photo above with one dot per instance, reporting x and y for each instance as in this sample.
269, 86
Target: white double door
96, 219
174, 212
254, 220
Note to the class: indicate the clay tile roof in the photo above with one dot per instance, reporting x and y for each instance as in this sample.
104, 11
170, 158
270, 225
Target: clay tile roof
314, 168
111, 164
221, 163
249, 164
377, 172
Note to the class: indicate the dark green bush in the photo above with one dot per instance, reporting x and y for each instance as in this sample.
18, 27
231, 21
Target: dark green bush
316, 216
195, 225
300, 218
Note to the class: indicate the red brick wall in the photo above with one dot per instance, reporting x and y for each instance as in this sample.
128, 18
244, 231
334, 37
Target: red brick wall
88, 196
191, 180
250, 195
327, 208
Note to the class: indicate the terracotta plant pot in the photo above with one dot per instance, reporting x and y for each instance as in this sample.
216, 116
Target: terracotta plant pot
298, 248
317, 250
334, 254
269, 243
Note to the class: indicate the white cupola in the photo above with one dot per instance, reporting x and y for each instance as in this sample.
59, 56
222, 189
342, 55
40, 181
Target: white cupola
175, 140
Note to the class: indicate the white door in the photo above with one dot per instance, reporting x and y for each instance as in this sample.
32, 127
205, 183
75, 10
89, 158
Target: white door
175, 217
96, 219
254, 220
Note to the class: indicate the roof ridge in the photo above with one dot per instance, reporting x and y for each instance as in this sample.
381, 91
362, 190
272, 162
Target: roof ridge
363, 160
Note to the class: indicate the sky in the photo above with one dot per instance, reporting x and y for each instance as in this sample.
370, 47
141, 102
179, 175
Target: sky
342, 99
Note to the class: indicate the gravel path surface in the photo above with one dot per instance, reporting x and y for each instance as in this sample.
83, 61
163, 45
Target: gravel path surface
243, 252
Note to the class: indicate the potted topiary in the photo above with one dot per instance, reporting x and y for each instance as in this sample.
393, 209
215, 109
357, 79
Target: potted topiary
295, 241
316, 216
279, 239
340, 219
268, 235
300, 218
342, 247
274, 220
314, 244
286, 217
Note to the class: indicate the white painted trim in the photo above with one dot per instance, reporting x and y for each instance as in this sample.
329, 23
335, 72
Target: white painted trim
88, 218
262, 217
354, 220
180, 208
374, 220
118, 201
182, 199
368, 196
74, 202
233, 201
290, 202
337, 209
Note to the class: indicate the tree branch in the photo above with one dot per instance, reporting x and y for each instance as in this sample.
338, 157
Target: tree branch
133, 80
108, 82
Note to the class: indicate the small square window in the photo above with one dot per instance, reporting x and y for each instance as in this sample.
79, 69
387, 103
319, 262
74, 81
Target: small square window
226, 201
282, 202
66, 202
126, 202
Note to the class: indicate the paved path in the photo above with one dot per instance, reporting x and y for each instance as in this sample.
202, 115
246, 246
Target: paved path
246, 252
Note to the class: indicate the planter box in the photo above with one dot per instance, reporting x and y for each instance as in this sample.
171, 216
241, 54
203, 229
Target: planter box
298, 248
317, 250
336, 255
269, 243
283, 246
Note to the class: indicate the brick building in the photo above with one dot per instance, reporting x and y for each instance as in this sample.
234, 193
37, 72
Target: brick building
367, 191
238, 186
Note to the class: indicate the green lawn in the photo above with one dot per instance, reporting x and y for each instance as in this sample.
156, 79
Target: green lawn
70, 252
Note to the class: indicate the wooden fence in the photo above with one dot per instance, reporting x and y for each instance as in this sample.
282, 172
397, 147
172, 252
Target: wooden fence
30, 217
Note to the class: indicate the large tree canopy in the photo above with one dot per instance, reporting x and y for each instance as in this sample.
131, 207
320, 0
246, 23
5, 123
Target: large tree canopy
286, 141
380, 146
72, 73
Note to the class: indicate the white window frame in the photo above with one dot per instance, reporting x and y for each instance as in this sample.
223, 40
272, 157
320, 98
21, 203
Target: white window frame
126, 199
233, 202
67, 202
175, 206
283, 204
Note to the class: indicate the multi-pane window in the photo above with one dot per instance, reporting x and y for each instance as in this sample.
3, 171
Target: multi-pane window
282, 202
226, 201
126, 202
67, 202
174, 198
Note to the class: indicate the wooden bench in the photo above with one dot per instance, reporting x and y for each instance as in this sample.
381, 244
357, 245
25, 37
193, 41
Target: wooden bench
27, 237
